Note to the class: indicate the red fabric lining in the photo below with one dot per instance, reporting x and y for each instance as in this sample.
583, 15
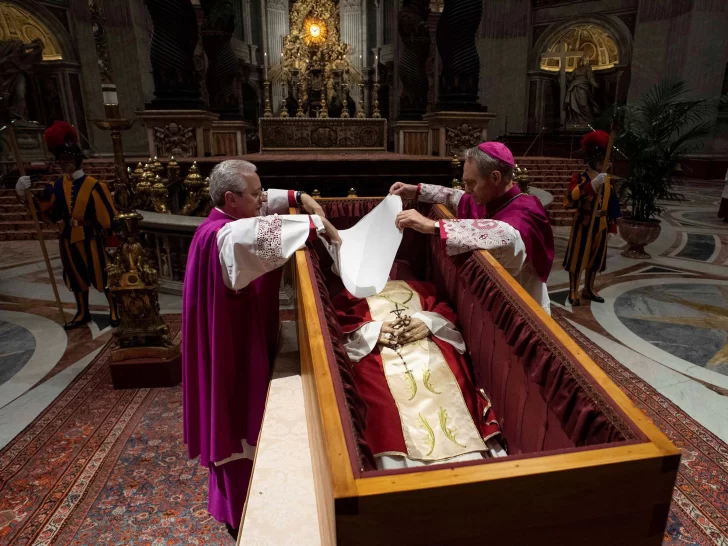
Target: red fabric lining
544, 400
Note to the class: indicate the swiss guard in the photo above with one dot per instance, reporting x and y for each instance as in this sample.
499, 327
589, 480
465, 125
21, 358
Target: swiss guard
87, 210
597, 209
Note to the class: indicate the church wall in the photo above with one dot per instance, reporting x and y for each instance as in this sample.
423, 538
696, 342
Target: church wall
131, 68
684, 39
278, 27
503, 49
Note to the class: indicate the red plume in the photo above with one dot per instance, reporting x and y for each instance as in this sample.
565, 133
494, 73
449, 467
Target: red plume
595, 138
59, 134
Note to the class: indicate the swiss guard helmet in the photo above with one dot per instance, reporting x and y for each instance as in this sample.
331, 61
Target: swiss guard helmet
594, 145
62, 140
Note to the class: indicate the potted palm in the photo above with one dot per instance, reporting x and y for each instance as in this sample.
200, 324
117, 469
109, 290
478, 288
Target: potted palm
655, 134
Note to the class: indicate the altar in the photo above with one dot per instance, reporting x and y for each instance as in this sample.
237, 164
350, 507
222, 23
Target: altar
317, 134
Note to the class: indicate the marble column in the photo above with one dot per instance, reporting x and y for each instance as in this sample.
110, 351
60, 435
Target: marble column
456, 32
223, 76
352, 28
176, 81
277, 26
413, 54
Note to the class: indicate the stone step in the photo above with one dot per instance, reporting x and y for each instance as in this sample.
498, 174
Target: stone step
14, 216
12, 208
22, 225
26, 235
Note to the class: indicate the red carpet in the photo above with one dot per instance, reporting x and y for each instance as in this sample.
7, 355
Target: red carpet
699, 514
101, 466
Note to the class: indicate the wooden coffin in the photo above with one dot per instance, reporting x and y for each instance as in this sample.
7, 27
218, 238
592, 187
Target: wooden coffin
585, 466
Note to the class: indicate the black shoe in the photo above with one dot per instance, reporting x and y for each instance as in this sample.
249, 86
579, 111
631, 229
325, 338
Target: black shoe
232, 532
592, 297
77, 323
115, 323
574, 302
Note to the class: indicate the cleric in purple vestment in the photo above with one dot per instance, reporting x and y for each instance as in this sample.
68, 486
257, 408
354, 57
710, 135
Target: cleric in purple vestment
493, 215
230, 323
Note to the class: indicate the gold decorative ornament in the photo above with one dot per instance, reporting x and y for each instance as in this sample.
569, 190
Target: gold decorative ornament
156, 166
352, 193
345, 102
360, 114
198, 193
521, 178
172, 171
375, 112
159, 196
316, 194
267, 112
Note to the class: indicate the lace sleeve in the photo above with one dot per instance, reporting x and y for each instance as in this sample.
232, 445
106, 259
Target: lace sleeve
501, 239
432, 193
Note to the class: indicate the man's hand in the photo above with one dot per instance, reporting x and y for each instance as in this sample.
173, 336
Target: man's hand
22, 185
414, 331
310, 205
414, 220
405, 191
332, 234
388, 335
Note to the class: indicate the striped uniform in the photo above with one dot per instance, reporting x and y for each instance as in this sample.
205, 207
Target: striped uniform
87, 209
581, 252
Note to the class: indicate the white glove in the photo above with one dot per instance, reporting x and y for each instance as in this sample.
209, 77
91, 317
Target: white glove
22, 185
598, 182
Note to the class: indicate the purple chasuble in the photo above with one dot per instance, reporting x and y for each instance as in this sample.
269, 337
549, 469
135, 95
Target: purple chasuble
527, 215
228, 342
468, 209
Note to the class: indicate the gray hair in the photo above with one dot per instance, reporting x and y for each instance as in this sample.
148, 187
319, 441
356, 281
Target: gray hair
228, 176
487, 164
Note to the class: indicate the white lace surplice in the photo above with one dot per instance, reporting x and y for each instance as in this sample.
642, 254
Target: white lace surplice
502, 240
251, 247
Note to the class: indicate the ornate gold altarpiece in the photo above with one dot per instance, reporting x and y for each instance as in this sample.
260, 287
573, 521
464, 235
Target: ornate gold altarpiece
315, 72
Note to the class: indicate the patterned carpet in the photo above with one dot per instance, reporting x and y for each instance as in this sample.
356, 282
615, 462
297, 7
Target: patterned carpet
699, 513
101, 466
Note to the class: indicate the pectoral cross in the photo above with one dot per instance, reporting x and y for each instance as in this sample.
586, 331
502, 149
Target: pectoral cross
563, 54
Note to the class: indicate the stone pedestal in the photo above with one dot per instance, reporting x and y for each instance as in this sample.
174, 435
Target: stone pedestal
145, 367
228, 138
451, 133
179, 133
411, 137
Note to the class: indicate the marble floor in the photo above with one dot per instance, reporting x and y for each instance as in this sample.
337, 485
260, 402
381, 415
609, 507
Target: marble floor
665, 318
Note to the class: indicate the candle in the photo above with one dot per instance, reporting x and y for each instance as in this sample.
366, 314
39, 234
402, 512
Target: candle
376, 68
265, 65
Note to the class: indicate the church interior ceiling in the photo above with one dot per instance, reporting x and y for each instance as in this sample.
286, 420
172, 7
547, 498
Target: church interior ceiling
19, 24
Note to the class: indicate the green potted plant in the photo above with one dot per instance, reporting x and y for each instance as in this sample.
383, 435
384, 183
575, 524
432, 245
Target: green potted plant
655, 133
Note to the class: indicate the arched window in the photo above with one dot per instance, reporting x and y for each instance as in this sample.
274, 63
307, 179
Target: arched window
587, 41
18, 24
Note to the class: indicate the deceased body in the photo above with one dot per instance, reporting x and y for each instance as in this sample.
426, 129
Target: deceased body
422, 405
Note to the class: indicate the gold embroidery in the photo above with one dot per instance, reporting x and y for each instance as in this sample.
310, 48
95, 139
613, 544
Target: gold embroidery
426, 379
449, 432
424, 363
430, 440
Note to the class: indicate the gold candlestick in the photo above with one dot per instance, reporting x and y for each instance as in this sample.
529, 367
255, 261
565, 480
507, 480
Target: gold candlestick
300, 113
376, 113
267, 112
284, 105
324, 107
345, 102
360, 114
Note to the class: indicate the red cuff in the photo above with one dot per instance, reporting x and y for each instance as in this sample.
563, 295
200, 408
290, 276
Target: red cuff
443, 235
292, 198
417, 195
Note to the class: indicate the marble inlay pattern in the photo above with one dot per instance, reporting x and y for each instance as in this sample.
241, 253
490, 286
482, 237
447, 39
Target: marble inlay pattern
16, 347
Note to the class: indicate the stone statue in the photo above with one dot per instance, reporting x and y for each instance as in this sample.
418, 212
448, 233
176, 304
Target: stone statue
16, 62
579, 103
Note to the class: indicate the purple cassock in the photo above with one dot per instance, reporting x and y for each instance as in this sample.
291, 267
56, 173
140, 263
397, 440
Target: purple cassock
228, 345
